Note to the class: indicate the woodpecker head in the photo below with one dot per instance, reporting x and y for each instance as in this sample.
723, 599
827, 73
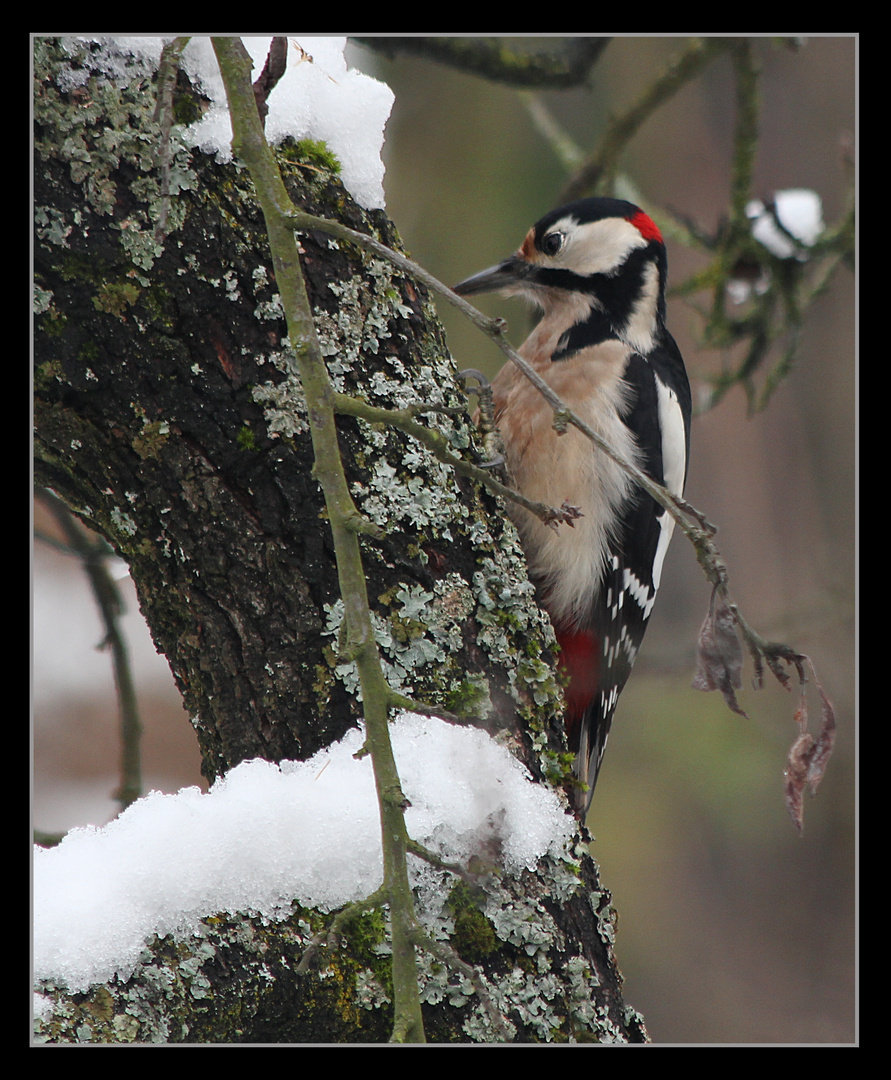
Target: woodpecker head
598, 265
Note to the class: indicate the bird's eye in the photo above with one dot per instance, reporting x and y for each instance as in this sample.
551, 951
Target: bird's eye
552, 243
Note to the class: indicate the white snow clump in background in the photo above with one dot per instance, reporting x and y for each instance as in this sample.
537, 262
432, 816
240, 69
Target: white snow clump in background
799, 212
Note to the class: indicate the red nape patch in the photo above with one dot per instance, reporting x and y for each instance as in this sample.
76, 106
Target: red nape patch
645, 225
580, 658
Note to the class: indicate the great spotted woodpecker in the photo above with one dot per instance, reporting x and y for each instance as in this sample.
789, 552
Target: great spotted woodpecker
596, 268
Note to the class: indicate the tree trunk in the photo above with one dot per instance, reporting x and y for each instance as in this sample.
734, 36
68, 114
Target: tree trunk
169, 418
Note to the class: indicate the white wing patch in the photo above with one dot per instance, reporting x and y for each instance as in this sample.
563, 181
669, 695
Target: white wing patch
674, 467
674, 440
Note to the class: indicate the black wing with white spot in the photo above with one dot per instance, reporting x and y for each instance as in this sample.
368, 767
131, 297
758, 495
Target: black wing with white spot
659, 417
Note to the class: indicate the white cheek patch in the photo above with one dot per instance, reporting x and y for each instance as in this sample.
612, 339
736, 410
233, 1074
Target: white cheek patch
597, 247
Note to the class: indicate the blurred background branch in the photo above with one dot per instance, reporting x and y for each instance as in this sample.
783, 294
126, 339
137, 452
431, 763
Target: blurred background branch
565, 62
94, 554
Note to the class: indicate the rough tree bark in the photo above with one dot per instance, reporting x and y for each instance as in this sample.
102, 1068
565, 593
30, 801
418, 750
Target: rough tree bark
168, 417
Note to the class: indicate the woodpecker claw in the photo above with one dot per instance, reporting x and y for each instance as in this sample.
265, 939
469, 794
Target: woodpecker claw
485, 416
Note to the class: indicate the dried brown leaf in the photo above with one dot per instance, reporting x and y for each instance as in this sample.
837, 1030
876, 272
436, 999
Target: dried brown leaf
719, 653
797, 766
825, 743
808, 757
720, 659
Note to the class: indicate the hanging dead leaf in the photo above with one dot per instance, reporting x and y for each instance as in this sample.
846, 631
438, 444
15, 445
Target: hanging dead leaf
795, 776
825, 743
807, 759
719, 653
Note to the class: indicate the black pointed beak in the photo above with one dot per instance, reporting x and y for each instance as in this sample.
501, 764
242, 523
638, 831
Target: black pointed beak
506, 275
